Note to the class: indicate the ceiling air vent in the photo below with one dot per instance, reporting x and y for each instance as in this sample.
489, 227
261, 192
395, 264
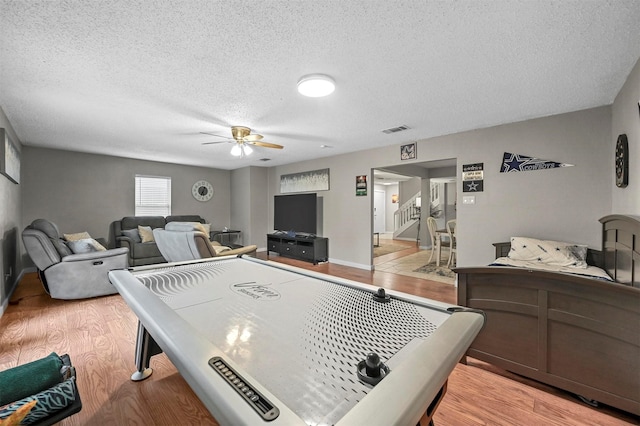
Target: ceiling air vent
265, 159
396, 129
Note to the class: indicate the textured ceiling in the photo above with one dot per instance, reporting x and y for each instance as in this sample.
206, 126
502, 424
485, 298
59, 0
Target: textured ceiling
142, 79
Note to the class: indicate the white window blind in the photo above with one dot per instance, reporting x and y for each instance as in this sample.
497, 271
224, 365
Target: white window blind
153, 196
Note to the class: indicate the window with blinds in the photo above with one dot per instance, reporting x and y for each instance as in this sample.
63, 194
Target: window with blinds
153, 196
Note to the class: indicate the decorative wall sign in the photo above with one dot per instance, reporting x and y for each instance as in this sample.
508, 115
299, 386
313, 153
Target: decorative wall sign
315, 180
522, 163
361, 185
409, 151
9, 157
473, 177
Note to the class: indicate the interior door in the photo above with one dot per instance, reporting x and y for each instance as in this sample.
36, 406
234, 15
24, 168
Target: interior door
379, 210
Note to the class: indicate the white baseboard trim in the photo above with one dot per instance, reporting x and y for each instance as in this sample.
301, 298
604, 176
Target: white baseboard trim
337, 262
405, 239
351, 264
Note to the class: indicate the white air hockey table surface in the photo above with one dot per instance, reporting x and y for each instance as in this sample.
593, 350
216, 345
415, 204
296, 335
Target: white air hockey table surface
260, 342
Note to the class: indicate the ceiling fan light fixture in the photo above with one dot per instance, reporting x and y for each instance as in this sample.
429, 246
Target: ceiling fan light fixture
246, 149
236, 151
316, 85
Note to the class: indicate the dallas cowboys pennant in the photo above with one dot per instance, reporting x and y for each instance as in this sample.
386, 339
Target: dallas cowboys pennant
522, 163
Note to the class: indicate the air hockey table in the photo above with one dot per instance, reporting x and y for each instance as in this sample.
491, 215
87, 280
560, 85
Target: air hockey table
265, 343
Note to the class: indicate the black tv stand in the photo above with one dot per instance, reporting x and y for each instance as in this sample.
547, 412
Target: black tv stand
307, 248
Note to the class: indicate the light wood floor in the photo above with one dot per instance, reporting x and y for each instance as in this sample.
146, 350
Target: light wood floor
99, 335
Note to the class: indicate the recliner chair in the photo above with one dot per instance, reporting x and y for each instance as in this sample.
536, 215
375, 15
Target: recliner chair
66, 275
182, 241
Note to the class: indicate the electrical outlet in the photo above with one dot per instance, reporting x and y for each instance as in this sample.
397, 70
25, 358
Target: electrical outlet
469, 199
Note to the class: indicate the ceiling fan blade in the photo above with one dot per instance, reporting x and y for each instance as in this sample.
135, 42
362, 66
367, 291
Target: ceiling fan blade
213, 143
216, 135
266, 144
253, 137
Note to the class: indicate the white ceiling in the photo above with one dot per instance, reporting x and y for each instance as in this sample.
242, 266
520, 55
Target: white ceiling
142, 79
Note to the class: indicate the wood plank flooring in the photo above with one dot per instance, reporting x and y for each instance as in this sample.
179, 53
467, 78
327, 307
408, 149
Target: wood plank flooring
99, 335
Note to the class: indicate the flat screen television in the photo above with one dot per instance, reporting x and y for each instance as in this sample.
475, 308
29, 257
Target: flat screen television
297, 213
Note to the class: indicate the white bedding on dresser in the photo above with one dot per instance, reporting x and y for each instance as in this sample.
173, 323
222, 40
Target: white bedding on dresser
589, 271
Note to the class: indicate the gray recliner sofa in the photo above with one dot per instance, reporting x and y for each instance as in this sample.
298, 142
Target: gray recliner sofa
143, 253
66, 275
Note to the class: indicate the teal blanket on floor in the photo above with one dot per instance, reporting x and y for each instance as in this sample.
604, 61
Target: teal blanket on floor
28, 379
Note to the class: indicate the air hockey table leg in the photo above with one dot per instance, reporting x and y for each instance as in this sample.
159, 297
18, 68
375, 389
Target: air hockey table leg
427, 418
146, 347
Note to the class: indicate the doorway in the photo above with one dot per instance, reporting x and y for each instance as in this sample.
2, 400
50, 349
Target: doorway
379, 212
412, 181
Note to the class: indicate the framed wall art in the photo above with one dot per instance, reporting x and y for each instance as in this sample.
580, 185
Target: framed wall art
315, 180
361, 185
9, 157
409, 151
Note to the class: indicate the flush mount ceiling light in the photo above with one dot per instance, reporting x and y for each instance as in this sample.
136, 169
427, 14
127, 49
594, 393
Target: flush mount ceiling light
316, 85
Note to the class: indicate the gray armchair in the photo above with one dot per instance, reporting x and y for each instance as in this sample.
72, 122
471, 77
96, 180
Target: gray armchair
66, 275
182, 241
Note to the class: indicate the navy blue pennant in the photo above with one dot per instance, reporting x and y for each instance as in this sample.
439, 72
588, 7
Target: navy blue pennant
523, 163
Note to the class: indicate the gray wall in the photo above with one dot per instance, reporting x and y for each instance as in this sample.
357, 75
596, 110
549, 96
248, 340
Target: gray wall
248, 201
626, 119
86, 192
10, 225
563, 203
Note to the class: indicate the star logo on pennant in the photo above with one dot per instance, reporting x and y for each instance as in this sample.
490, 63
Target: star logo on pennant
513, 163
472, 186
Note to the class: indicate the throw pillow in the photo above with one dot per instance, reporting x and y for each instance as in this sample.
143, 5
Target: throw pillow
77, 236
207, 228
579, 251
133, 234
146, 234
544, 251
87, 245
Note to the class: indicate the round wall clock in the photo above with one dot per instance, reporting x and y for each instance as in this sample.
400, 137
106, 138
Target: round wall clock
622, 161
202, 190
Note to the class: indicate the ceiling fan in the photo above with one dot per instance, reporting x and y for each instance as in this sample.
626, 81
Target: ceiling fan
242, 139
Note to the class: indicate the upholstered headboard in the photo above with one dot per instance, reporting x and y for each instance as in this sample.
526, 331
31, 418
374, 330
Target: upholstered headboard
621, 249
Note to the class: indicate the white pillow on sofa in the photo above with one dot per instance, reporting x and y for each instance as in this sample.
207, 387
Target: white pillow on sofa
85, 245
77, 236
549, 252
